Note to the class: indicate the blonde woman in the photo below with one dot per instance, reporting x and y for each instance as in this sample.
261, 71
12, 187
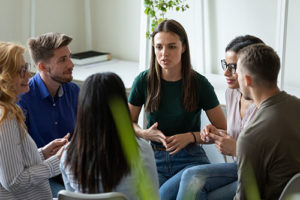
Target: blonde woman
24, 169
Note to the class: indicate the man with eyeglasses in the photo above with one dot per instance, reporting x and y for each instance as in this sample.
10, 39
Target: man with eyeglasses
51, 104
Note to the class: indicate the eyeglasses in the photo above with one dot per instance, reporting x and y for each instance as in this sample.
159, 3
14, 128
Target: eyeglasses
24, 69
231, 66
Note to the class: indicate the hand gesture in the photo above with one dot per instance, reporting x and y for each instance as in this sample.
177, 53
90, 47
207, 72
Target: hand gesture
55, 147
224, 143
60, 152
205, 136
155, 134
177, 142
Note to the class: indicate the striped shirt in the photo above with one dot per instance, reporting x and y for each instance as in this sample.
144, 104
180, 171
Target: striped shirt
24, 173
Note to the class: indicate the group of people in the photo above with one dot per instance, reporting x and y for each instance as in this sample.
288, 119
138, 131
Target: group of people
40, 115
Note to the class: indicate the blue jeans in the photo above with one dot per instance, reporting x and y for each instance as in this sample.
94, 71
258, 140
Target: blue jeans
171, 167
56, 185
219, 181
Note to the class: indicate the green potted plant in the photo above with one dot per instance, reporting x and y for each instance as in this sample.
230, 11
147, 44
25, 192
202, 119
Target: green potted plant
157, 9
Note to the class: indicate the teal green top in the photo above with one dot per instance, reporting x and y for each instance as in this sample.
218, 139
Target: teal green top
171, 116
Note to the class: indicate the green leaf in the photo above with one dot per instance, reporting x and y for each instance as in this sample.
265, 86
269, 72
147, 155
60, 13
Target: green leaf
158, 8
147, 2
171, 3
160, 20
154, 25
147, 11
127, 136
152, 13
148, 35
251, 188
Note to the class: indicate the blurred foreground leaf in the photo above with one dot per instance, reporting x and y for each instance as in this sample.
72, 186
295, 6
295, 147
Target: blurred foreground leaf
123, 122
251, 188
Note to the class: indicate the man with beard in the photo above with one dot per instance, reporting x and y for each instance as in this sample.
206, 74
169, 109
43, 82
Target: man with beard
268, 148
51, 104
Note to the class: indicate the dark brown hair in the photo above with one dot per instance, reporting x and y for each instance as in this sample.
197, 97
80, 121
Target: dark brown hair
188, 79
261, 61
42, 47
240, 42
95, 152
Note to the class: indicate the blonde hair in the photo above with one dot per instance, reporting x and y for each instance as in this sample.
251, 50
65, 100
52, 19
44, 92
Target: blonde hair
10, 65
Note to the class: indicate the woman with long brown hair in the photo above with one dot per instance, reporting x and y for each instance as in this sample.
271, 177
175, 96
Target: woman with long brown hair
24, 169
173, 95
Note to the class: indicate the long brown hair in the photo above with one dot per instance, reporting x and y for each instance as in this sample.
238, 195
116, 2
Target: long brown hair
10, 65
95, 152
188, 77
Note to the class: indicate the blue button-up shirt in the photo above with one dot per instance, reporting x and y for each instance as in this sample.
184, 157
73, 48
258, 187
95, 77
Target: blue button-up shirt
49, 118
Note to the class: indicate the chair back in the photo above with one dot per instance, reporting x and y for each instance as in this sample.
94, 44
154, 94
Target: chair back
291, 188
67, 195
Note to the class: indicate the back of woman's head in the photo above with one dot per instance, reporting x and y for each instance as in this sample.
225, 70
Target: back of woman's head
240, 42
95, 149
10, 65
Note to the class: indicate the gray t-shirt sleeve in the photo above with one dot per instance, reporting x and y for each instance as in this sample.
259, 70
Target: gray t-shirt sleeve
249, 162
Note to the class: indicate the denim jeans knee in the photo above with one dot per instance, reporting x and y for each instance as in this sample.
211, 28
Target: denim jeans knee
170, 167
214, 177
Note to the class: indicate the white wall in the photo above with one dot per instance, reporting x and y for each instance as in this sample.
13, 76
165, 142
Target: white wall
13, 21
224, 20
191, 21
231, 18
65, 16
116, 27
115, 23
292, 63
